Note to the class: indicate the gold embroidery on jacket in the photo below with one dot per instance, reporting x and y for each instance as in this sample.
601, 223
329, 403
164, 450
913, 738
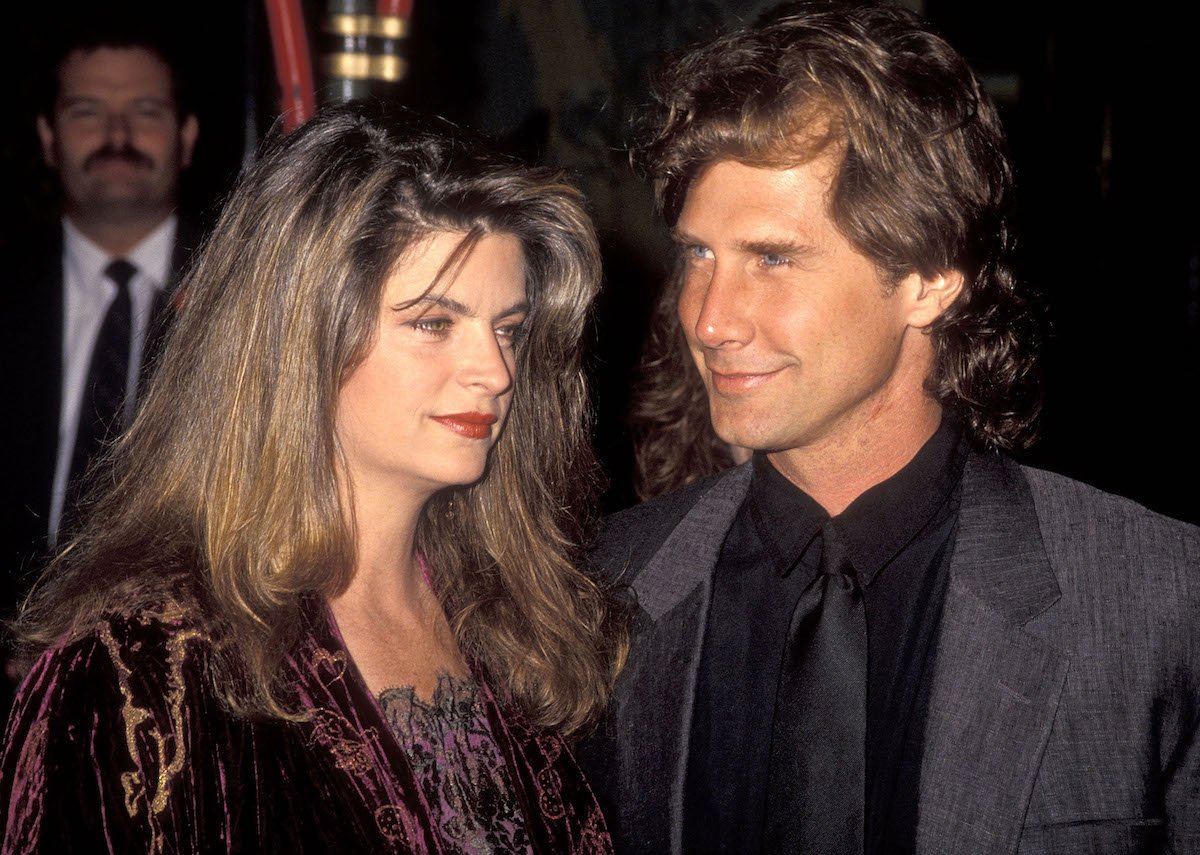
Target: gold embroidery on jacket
136, 719
335, 733
328, 660
389, 819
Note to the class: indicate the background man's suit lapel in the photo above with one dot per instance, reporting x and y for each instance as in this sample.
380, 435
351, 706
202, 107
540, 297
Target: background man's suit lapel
33, 346
659, 681
996, 687
169, 300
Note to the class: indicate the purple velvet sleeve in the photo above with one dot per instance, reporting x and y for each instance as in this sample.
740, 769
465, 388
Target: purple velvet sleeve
96, 749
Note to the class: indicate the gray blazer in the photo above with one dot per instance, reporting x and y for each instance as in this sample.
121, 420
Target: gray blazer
1066, 694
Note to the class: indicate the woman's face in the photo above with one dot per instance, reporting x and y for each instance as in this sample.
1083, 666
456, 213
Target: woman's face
421, 411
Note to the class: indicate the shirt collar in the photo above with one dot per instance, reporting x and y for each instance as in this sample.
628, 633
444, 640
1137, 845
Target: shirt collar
787, 518
879, 523
152, 256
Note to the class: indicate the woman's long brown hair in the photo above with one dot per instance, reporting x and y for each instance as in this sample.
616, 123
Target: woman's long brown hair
225, 485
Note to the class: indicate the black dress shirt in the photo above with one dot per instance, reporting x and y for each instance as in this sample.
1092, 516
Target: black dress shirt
898, 534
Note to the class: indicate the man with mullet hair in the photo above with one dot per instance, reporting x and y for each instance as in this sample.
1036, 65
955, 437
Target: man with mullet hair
881, 634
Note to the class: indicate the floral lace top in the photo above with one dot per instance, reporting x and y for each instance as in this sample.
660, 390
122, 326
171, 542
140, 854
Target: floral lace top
458, 766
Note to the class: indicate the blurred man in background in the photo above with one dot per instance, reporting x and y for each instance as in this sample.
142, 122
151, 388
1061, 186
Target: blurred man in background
88, 300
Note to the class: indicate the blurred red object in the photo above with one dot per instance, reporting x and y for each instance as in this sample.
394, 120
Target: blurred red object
293, 61
397, 8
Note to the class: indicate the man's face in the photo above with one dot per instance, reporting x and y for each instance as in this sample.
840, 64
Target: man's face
799, 342
115, 136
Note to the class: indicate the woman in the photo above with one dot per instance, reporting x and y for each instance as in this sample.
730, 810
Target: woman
330, 600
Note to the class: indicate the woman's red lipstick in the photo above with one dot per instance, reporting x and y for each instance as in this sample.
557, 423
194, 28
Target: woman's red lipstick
470, 425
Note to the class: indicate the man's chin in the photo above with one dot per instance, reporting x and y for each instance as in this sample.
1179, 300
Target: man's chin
744, 438
121, 202
748, 441
737, 426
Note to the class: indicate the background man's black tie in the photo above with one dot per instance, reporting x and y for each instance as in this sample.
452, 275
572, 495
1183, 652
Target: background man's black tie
102, 416
817, 779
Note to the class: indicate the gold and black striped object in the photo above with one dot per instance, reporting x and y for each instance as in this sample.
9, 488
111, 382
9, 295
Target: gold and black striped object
363, 48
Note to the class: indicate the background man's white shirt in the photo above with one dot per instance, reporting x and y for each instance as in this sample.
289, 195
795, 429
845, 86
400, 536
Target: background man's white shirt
87, 296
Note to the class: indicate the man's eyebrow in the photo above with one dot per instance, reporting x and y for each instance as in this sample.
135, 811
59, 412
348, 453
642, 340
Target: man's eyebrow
68, 100
682, 238
788, 246
777, 246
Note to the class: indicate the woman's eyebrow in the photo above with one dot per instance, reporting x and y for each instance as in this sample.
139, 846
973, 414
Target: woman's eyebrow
451, 305
521, 308
432, 301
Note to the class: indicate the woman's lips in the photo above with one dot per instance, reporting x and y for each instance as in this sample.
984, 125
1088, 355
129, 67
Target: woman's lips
470, 425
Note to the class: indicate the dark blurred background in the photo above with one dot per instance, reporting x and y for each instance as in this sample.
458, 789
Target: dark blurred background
1099, 106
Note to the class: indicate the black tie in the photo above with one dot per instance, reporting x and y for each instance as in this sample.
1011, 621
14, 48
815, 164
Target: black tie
102, 415
817, 778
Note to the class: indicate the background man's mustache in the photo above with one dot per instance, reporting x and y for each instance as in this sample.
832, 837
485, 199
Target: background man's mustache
126, 153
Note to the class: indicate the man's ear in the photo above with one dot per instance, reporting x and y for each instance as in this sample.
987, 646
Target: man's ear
188, 131
46, 135
930, 296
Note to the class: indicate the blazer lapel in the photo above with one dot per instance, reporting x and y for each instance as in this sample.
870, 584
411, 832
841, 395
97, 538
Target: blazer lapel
659, 681
996, 686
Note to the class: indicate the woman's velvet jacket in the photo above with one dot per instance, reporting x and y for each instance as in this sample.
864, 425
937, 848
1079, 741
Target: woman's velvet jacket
118, 743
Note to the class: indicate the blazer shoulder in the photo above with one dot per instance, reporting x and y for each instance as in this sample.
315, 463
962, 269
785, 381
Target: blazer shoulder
1098, 540
630, 537
1063, 502
33, 264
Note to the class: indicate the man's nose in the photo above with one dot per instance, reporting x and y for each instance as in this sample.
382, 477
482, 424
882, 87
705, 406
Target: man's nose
118, 129
721, 319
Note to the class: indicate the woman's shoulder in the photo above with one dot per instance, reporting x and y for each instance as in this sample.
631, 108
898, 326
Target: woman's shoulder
167, 616
105, 722
141, 652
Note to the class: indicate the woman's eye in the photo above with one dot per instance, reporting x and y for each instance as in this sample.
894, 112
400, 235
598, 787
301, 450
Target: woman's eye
696, 252
510, 333
433, 326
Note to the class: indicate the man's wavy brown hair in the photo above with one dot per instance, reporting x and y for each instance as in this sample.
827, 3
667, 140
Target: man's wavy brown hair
924, 184
226, 482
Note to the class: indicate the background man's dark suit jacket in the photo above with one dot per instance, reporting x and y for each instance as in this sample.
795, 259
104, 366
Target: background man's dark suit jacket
31, 377
1066, 694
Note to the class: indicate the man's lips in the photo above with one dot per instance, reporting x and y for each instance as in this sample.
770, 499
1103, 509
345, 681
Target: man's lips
470, 425
733, 382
